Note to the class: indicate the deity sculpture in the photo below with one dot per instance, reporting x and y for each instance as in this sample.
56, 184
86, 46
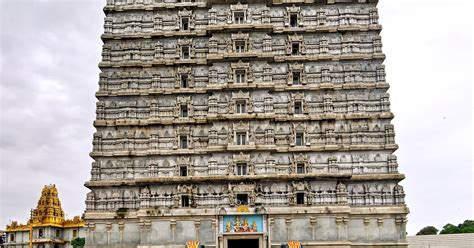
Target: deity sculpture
254, 226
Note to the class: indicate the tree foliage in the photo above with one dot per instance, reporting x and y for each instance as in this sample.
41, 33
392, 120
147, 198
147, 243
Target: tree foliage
466, 227
428, 230
78, 242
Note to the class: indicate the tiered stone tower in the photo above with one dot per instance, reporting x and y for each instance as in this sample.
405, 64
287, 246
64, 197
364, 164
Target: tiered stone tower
244, 124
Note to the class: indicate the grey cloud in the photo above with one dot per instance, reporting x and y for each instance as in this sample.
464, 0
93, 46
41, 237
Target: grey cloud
50, 51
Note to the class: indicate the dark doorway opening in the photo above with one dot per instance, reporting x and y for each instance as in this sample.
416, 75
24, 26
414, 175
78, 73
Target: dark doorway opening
242, 243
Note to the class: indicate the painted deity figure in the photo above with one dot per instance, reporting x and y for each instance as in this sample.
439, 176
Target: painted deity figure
237, 223
245, 227
254, 226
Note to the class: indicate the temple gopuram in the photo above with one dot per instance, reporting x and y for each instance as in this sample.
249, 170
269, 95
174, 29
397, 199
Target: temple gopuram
238, 123
47, 227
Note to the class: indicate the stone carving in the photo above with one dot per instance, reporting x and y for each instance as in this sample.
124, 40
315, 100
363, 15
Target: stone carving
205, 106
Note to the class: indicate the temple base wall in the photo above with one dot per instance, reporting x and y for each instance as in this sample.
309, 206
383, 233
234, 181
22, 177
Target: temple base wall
330, 226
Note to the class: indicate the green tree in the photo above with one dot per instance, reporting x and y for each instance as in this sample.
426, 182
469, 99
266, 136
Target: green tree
466, 227
78, 242
428, 230
449, 229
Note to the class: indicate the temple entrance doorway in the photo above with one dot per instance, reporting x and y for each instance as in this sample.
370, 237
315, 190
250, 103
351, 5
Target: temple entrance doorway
243, 243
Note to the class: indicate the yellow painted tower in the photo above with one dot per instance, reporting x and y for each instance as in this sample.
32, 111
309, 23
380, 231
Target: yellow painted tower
49, 210
46, 226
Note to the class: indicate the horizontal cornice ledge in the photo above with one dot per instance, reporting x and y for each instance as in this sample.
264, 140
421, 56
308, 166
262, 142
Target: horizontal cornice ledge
376, 177
208, 4
272, 87
387, 209
204, 179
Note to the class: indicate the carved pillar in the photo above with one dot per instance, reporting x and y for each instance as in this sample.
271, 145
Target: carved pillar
323, 45
103, 81
321, 17
366, 226
156, 80
380, 226
341, 194
389, 134
384, 103
108, 227
269, 231
214, 224
173, 229
392, 164
327, 104
106, 53
267, 44
197, 226
145, 227
401, 222
332, 165
330, 137
373, 17
288, 228
326, 75
108, 25
266, 17
341, 223
90, 233
95, 173
380, 73
212, 17
313, 222
377, 45
97, 142
121, 227
158, 23
158, 51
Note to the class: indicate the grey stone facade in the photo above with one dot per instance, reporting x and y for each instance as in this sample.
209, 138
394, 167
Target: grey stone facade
279, 106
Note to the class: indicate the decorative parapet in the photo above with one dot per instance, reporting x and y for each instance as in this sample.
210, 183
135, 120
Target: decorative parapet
75, 222
14, 226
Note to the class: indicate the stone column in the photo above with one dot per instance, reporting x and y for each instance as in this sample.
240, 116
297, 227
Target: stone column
108, 226
269, 231
366, 224
401, 227
341, 223
145, 226
173, 229
313, 222
90, 233
288, 227
379, 225
121, 226
197, 226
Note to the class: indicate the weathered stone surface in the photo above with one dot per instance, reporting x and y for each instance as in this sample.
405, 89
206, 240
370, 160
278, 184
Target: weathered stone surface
280, 106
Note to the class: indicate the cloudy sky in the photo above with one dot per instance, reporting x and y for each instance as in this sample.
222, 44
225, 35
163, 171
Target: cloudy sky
48, 67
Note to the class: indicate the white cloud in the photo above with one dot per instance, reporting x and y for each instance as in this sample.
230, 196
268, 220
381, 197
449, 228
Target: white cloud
50, 52
428, 47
